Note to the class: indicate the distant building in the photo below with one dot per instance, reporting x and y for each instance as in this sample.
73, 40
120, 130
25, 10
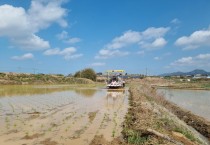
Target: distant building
199, 76
99, 74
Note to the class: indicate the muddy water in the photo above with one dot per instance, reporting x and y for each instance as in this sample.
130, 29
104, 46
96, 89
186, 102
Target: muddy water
63, 115
196, 101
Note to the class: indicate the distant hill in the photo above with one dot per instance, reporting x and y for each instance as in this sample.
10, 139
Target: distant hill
194, 72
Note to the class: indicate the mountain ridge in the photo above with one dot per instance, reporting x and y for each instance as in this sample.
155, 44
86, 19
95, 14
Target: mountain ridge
193, 72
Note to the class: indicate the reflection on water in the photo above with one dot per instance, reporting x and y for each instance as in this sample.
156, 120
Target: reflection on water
24, 90
197, 101
115, 98
86, 92
61, 113
20, 90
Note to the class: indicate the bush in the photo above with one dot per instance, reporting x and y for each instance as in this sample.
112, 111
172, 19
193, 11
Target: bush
77, 74
87, 73
2, 74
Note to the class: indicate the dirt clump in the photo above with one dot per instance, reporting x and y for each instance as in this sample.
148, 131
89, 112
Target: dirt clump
34, 116
37, 135
48, 142
92, 115
12, 131
100, 140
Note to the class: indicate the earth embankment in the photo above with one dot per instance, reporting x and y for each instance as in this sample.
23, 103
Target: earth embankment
153, 120
25, 79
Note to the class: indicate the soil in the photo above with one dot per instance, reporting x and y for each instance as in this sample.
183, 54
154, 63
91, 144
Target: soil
48, 142
92, 116
100, 140
32, 136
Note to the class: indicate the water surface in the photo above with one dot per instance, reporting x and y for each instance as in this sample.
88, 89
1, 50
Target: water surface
60, 114
196, 101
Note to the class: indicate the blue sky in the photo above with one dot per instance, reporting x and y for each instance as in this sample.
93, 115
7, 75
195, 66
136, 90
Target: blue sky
64, 36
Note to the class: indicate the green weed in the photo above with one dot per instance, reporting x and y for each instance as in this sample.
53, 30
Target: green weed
185, 133
135, 138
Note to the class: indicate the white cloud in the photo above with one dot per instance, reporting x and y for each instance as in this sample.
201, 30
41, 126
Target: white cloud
43, 13
150, 39
23, 57
21, 25
195, 40
65, 37
157, 43
151, 36
55, 51
128, 38
203, 56
32, 42
106, 53
155, 33
74, 56
201, 60
98, 64
157, 58
73, 40
67, 53
175, 21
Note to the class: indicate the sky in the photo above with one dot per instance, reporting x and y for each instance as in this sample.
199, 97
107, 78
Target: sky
64, 36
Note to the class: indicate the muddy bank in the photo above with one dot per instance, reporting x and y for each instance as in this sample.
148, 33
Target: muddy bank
153, 120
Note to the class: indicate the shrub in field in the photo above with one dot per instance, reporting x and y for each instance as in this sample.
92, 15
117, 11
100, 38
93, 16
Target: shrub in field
2, 74
87, 73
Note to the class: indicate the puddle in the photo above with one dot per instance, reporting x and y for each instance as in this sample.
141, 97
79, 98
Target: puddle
60, 115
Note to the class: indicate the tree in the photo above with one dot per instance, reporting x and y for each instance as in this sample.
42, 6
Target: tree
87, 73
77, 74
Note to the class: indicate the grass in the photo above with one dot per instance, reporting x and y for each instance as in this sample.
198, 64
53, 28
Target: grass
27, 133
185, 133
113, 133
164, 123
135, 137
43, 79
115, 124
206, 86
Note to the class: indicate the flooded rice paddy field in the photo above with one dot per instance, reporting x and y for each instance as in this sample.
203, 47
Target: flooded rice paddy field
35, 115
196, 101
